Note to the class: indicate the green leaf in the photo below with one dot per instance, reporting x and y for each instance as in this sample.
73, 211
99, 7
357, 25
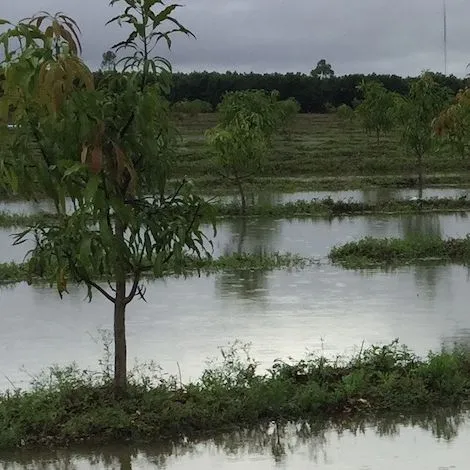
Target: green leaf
85, 249
91, 189
148, 244
72, 170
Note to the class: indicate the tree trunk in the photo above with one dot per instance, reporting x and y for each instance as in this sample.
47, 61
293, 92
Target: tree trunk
242, 196
125, 461
120, 348
420, 177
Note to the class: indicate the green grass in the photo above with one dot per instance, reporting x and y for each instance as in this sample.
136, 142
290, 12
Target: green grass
394, 251
320, 145
67, 406
18, 272
9, 219
321, 153
218, 186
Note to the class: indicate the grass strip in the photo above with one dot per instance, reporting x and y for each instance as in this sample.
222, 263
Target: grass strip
70, 405
19, 272
302, 208
371, 251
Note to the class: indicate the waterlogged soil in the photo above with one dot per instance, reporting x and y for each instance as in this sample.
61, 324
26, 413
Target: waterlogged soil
434, 442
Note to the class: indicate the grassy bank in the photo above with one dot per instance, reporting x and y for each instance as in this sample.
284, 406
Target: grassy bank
394, 251
330, 208
302, 208
70, 405
318, 145
17, 272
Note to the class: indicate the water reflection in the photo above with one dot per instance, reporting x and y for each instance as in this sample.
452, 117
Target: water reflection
257, 236
243, 284
247, 237
387, 442
306, 237
459, 338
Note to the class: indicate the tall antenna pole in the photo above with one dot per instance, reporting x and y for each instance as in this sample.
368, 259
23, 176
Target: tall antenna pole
445, 36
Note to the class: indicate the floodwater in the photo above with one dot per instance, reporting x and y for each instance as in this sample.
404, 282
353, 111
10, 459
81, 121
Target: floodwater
372, 195
282, 314
307, 237
432, 442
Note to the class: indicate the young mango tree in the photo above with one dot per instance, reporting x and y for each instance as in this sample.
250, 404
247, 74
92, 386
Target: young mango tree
346, 115
288, 111
108, 150
378, 109
416, 114
242, 138
453, 124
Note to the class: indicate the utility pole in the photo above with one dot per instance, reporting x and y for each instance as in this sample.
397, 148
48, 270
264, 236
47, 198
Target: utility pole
445, 36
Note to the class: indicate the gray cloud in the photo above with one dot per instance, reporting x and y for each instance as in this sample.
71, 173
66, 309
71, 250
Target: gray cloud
402, 37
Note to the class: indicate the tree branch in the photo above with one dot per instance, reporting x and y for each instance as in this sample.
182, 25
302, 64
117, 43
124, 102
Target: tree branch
101, 291
134, 289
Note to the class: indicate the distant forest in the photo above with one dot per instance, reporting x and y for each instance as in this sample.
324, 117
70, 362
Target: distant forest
315, 94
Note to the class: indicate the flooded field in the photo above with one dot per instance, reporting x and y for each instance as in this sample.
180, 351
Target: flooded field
282, 314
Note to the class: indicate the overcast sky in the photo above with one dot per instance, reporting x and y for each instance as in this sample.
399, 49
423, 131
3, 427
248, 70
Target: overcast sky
364, 36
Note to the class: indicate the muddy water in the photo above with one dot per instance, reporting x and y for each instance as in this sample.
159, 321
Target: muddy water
435, 442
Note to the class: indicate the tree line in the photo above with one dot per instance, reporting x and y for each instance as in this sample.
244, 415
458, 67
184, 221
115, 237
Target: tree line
314, 93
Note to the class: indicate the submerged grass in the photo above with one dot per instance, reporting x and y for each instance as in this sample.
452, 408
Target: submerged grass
18, 272
330, 208
394, 251
69, 405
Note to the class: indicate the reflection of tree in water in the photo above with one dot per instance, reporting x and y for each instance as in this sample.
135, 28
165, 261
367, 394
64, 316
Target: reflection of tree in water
403, 225
276, 440
245, 284
459, 339
429, 275
412, 225
254, 236
372, 196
